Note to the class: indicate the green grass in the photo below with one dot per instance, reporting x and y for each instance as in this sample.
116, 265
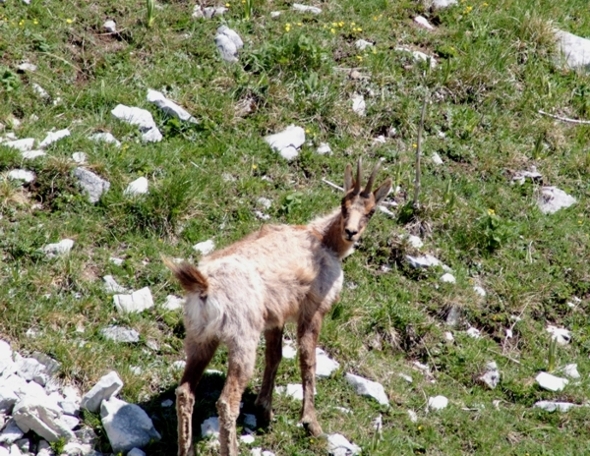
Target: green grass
496, 69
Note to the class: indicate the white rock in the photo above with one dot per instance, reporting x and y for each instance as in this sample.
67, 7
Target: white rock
22, 175
439, 4
571, 371
261, 215
474, 332
94, 186
344, 410
127, 425
366, 387
79, 157
205, 247
491, 376
377, 423
40, 91
424, 261
108, 386
31, 369
437, 403
27, 67
289, 352
110, 26
552, 199
210, 427
361, 45
208, 12
62, 247
138, 187
169, 107
116, 261
561, 335
167, 403
421, 57
54, 136
264, 202
325, 365
7, 398
11, 433
338, 445
248, 439
287, 142
480, 291
41, 417
521, 176
120, 334
406, 377
260, 452
423, 22
135, 302
551, 382
294, 390
413, 416
32, 154
436, 159
22, 145
111, 285
140, 117
551, 406
105, 137
70, 421
275, 14
415, 241
306, 9
358, 104
228, 43
454, 316
179, 365
448, 278
173, 303
449, 336
323, 149
575, 49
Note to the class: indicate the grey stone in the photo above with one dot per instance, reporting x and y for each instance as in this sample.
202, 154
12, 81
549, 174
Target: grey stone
454, 316
447, 277
205, 247
437, 403
287, 142
169, 107
32, 154
141, 118
27, 67
111, 285
23, 445
366, 387
436, 159
421, 57
439, 4
571, 371
423, 22
53, 137
208, 12
491, 376
70, 421
228, 43
551, 406
561, 335
533, 175
31, 369
80, 157
361, 45
94, 186
210, 427
135, 302
575, 49
173, 303
323, 149
7, 398
110, 26
127, 425
108, 386
338, 445
552, 199
136, 452
325, 365
11, 433
41, 417
358, 104
62, 247
44, 449
40, 91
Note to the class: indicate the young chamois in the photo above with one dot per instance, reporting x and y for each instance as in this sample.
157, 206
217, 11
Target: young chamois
277, 274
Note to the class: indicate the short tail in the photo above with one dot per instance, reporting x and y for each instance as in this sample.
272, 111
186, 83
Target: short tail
189, 277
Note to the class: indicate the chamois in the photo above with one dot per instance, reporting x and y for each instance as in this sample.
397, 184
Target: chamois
277, 274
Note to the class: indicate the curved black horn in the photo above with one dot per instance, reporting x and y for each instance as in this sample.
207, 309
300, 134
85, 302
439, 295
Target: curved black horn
359, 176
371, 180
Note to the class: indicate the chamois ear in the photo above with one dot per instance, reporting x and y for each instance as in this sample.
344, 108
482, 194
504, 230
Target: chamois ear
348, 180
382, 191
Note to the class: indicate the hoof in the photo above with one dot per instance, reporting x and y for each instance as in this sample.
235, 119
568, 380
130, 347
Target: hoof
313, 428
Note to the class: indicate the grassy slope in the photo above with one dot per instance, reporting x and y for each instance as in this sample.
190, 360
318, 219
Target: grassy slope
495, 71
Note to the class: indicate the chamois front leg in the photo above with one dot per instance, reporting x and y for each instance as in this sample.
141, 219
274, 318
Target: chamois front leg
240, 368
198, 357
273, 356
308, 330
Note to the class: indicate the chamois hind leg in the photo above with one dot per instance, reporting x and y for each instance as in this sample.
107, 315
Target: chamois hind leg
242, 355
308, 330
198, 357
273, 356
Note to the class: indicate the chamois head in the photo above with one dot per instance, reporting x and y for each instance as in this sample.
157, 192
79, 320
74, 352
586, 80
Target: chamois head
358, 205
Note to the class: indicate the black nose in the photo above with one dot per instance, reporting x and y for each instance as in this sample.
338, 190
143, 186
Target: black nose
349, 233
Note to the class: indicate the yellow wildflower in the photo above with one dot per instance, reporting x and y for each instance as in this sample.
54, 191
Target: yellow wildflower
332, 30
254, 166
69, 21
491, 212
